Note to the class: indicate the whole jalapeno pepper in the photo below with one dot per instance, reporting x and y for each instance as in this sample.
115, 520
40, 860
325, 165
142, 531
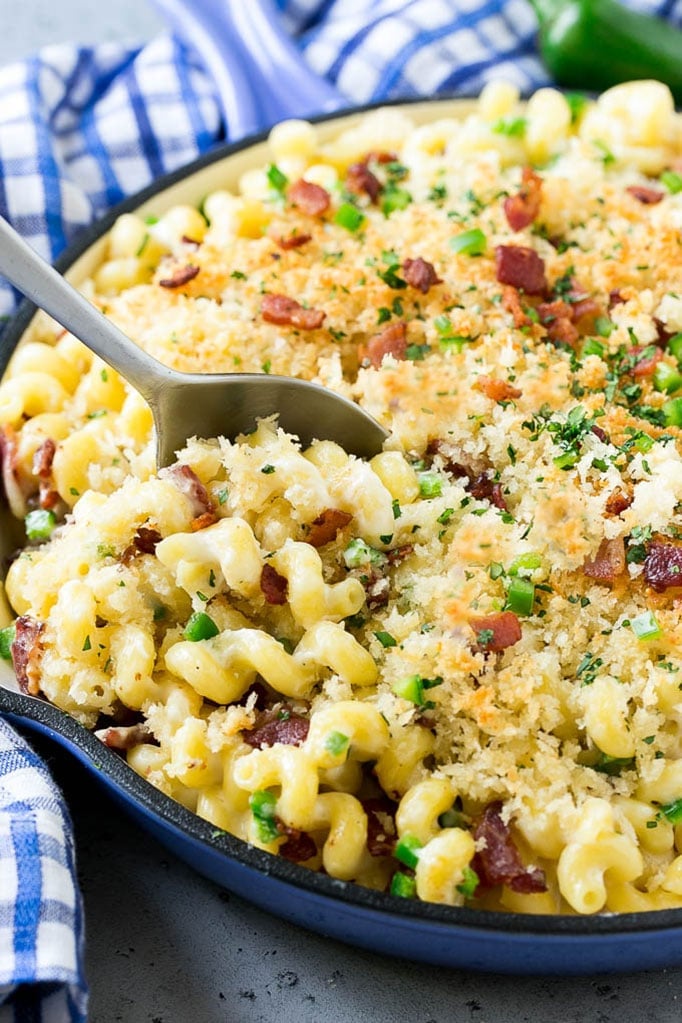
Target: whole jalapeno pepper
594, 44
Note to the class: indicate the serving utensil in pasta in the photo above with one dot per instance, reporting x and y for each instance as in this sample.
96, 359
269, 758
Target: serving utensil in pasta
189, 404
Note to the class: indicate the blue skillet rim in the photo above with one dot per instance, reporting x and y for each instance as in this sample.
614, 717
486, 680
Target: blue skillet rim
49, 718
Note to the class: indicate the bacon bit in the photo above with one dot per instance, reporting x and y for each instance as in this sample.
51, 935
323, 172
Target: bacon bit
287, 312
562, 331
455, 469
648, 196
181, 276
521, 267
144, 542
602, 434
189, 484
618, 502
511, 301
663, 566
555, 310
498, 861
505, 628
310, 198
202, 521
47, 497
192, 243
398, 554
377, 589
299, 845
522, 209
324, 528
360, 180
557, 317
497, 390
26, 653
608, 563
124, 738
278, 724
382, 157
615, 298
392, 340
586, 307
293, 241
420, 274
645, 367
273, 585
483, 488
42, 459
381, 830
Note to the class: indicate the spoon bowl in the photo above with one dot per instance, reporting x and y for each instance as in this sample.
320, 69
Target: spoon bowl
190, 404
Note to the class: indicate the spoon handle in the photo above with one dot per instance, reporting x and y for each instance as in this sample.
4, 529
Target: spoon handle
36, 279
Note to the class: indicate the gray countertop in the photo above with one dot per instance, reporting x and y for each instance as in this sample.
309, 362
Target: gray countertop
166, 946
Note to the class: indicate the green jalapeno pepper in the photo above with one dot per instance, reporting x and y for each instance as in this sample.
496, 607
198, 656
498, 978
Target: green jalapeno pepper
594, 44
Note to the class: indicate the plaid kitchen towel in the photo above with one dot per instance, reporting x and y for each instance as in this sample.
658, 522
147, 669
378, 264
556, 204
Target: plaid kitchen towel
41, 933
83, 127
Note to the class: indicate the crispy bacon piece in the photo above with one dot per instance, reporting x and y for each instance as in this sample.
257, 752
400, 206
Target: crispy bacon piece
497, 390
648, 196
563, 331
420, 274
277, 724
42, 468
392, 340
381, 830
608, 563
124, 737
382, 156
287, 312
26, 653
360, 180
47, 497
324, 528
484, 488
555, 310
498, 861
293, 241
398, 554
618, 502
377, 589
521, 267
42, 459
144, 542
308, 197
511, 301
522, 209
183, 275
299, 845
557, 317
189, 484
504, 626
615, 298
645, 366
663, 566
481, 484
203, 521
273, 585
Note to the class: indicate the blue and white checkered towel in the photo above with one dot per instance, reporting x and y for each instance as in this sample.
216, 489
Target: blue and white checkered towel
41, 933
80, 129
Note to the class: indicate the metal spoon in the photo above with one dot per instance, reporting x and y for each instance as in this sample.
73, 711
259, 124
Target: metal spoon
189, 404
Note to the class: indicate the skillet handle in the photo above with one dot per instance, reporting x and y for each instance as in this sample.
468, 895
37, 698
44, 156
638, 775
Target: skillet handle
260, 75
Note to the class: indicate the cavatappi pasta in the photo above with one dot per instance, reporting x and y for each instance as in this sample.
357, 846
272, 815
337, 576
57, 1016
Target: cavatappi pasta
454, 671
